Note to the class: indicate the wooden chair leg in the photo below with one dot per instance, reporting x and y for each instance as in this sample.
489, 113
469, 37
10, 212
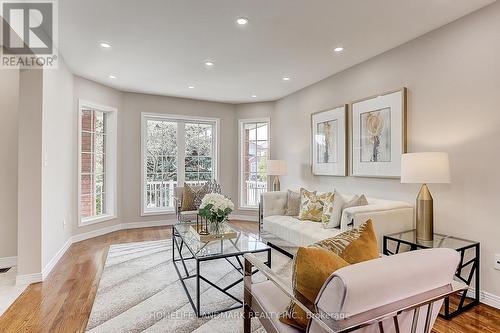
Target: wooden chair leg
247, 319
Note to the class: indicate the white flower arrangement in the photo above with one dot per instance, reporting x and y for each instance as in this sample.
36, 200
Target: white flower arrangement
216, 207
218, 201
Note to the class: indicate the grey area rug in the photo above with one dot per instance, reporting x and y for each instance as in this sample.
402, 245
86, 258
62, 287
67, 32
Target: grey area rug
140, 291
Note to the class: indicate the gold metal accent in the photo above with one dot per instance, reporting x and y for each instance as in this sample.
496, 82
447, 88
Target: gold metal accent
226, 233
276, 183
201, 225
425, 215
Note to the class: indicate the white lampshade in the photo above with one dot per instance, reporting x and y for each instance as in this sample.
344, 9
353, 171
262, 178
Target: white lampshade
425, 168
276, 167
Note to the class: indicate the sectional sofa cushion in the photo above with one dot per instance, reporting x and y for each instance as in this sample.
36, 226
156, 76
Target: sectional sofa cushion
295, 231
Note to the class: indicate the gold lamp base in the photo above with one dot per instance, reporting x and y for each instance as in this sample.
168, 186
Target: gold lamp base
276, 184
425, 215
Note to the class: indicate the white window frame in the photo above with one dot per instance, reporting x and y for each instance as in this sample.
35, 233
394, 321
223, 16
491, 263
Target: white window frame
180, 119
241, 124
111, 161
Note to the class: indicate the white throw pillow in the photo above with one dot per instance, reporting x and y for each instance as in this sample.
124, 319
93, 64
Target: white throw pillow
338, 206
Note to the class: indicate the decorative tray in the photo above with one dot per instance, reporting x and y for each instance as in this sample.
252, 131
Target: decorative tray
226, 233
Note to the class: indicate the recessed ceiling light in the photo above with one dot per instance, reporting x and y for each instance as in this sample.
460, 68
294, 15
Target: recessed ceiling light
241, 21
254, 96
286, 78
105, 45
209, 63
190, 87
112, 76
338, 49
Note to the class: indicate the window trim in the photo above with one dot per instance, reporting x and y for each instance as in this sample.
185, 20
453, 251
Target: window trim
111, 162
181, 154
241, 123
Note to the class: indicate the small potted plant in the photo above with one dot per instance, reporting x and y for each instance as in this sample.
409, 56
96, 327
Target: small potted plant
216, 208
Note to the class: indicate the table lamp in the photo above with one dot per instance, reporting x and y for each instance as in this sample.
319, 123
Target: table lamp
276, 168
425, 168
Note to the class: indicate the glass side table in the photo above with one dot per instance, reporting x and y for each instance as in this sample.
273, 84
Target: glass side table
467, 271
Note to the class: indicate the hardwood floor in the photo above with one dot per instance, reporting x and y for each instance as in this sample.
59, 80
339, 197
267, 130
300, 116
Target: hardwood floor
62, 303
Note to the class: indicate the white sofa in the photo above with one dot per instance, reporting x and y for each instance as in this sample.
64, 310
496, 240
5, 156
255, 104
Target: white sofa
387, 216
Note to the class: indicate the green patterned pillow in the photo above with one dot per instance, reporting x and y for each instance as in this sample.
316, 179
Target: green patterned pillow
327, 199
312, 205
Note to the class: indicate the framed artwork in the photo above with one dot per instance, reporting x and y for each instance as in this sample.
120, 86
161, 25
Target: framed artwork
379, 135
328, 142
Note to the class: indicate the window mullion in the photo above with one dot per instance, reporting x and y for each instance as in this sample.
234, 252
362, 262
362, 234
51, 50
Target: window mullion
181, 152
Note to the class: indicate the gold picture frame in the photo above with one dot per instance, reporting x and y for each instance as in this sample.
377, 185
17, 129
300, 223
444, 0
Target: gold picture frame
375, 147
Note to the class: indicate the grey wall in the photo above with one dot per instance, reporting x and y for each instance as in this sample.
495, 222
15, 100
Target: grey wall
453, 80
9, 98
254, 110
59, 164
29, 246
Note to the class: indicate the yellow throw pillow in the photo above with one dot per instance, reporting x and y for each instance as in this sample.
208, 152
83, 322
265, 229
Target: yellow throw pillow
327, 199
311, 208
314, 207
355, 245
312, 267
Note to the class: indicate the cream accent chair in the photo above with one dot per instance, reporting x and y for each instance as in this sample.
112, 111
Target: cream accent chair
400, 293
190, 215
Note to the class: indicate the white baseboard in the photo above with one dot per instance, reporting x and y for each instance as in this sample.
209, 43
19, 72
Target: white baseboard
7, 262
251, 218
26, 279
486, 298
55, 259
95, 233
148, 224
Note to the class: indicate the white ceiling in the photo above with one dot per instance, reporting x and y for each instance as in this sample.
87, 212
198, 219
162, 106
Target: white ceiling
160, 46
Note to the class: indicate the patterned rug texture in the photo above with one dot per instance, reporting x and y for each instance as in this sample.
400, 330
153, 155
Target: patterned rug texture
140, 291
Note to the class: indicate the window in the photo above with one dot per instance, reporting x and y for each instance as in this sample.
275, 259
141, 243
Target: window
175, 150
97, 162
199, 146
254, 153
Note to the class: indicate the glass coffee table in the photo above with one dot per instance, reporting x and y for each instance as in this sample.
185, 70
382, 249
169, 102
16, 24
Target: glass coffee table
188, 249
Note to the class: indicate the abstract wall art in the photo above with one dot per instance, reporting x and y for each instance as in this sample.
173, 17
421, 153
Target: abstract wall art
328, 142
379, 135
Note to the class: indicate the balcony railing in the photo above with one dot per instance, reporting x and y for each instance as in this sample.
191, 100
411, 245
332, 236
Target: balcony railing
253, 192
160, 194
